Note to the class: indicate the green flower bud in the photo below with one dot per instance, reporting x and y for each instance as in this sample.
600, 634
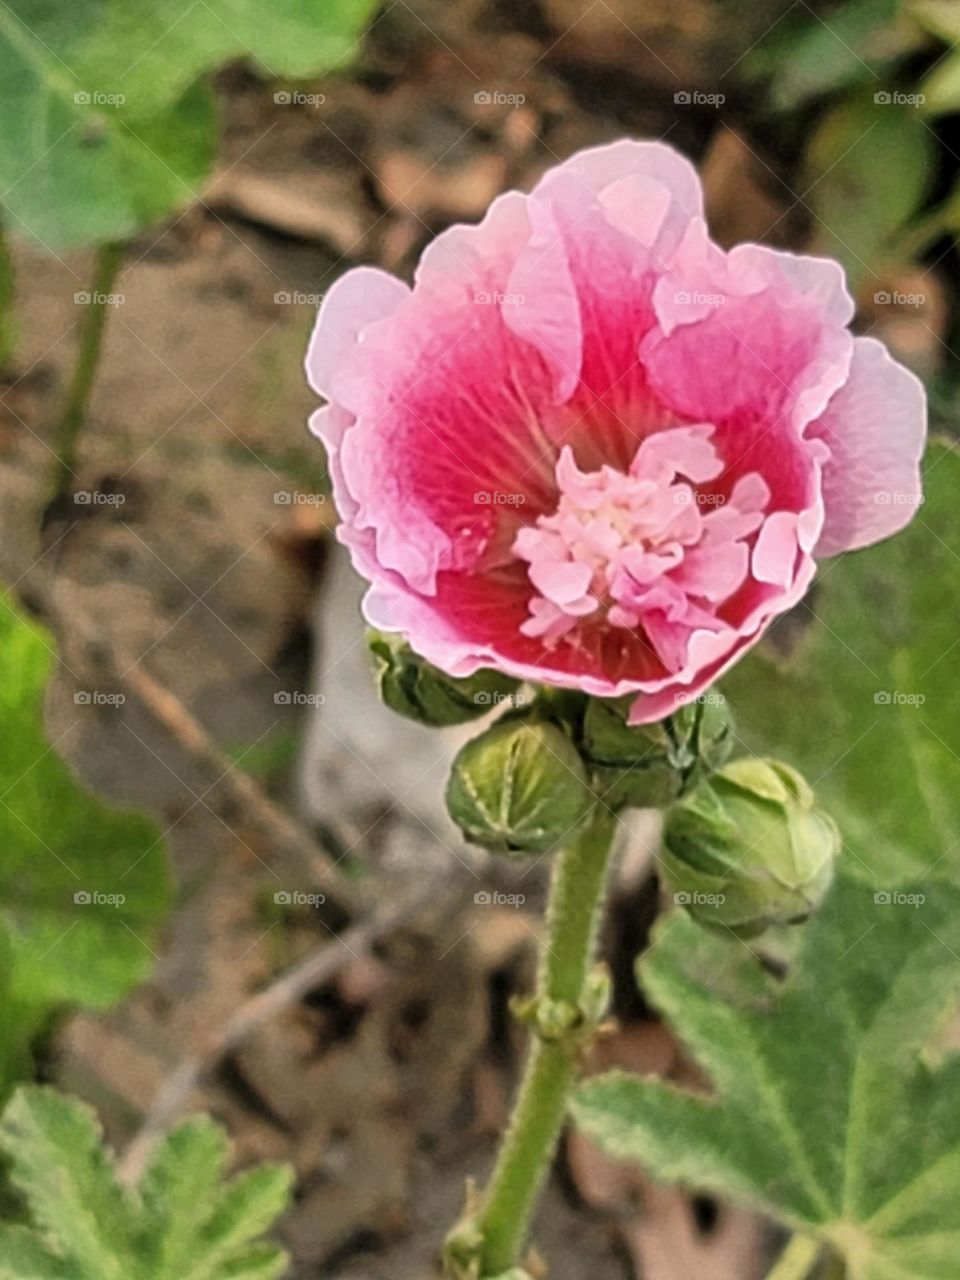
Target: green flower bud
520, 787
417, 690
597, 995
648, 765
747, 848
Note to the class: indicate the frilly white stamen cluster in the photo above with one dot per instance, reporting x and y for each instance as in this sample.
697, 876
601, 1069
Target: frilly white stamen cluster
644, 548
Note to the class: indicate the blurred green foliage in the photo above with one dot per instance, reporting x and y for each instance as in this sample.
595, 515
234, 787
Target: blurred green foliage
876, 670
868, 167
82, 886
862, 85
805, 56
106, 120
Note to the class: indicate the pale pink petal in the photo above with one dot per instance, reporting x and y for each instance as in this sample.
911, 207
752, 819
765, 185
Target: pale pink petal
714, 571
775, 555
684, 451
599, 168
875, 428
560, 582
355, 301
540, 302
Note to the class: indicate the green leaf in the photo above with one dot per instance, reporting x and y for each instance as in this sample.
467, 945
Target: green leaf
24, 1257
868, 167
867, 706
66, 859
104, 124
154, 53
177, 1189
246, 1208
262, 1262
182, 1223
831, 1106
76, 173
65, 1177
199, 1229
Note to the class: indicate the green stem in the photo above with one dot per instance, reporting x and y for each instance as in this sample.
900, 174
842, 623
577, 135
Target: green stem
796, 1260
107, 267
7, 294
573, 914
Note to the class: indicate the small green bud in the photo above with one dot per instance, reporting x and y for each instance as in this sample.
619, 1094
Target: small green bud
597, 995
747, 848
520, 787
648, 765
417, 690
555, 1019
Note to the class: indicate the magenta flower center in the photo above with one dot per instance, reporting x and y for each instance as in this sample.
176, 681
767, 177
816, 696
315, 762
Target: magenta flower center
656, 548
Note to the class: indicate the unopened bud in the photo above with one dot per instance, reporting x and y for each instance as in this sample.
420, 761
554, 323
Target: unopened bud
520, 787
747, 848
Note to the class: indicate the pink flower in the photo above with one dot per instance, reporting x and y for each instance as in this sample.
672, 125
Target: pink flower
591, 449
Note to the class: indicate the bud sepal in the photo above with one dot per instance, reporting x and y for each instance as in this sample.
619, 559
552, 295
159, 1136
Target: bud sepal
562, 1021
409, 685
650, 765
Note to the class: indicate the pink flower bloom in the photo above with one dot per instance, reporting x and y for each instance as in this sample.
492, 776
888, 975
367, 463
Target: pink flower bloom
591, 449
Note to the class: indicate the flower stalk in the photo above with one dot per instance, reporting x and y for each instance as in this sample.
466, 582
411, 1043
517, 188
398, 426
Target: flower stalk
489, 1240
109, 258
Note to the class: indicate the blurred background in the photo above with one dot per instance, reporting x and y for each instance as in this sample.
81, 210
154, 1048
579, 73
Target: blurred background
179, 190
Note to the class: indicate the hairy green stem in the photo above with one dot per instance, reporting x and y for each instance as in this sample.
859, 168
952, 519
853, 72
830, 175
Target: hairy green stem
573, 915
797, 1259
107, 267
7, 294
